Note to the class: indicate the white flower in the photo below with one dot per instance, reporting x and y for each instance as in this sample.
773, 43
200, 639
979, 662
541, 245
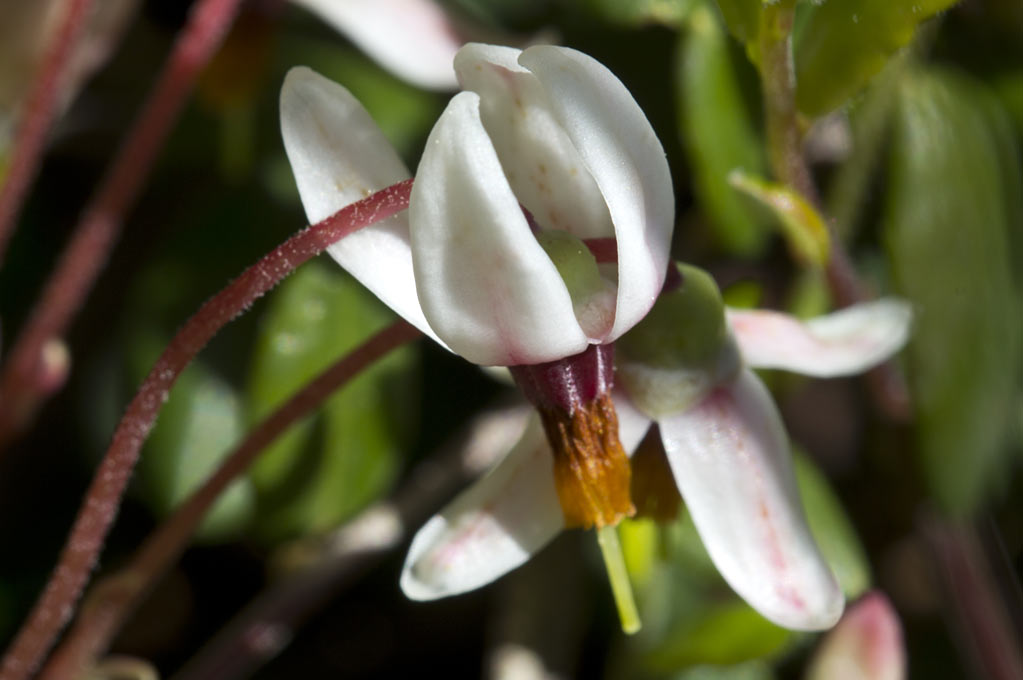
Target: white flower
730, 458
547, 130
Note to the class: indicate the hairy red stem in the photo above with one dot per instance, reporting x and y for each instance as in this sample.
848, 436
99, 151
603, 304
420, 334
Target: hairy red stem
115, 598
56, 604
37, 118
97, 230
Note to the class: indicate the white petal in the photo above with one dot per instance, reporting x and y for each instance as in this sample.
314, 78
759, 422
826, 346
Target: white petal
413, 39
848, 341
624, 157
493, 527
731, 460
339, 156
485, 284
542, 165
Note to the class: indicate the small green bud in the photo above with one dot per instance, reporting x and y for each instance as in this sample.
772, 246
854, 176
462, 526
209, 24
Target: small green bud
681, 350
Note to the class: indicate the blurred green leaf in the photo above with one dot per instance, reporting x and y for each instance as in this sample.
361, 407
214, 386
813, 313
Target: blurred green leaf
844, 43
636, 13
802, 227
198, 426
725, 634
326, 468
752, 670
832, 529
742, 18
718, 133
947, 217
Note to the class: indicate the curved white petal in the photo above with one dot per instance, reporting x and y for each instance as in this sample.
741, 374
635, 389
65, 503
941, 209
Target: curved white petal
491, 528
625, 159
413, 39
543, 167
731, 460
339, 156
848, 341
485, 284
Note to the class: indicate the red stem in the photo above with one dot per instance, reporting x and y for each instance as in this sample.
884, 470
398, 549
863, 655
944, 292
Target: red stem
37, 118
117, 596
95, 235
56, 604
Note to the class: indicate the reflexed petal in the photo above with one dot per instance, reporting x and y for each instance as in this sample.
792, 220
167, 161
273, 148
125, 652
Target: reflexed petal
731, 461
339, 156
493, 527
848, 341
414, 39
485, 284
543, 167
622, 153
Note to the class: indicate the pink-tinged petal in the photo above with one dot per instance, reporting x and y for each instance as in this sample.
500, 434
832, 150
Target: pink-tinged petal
623, 155
731, 460
413, 39
543, 167
491, 528
848, 341
632, 423
866, 644
339, 156
486, 286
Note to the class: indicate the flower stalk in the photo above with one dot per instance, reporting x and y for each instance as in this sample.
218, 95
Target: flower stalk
103, 498
118, 595
94, 236
37, 118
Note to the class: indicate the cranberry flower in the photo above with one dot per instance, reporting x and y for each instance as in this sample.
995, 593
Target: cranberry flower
686, 369
541, 164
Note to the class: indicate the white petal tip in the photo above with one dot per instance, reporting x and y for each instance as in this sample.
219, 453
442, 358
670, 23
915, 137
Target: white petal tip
845, 342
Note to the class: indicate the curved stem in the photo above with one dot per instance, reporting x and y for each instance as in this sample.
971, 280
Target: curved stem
116, 596
97, 230
37, 117
56, 604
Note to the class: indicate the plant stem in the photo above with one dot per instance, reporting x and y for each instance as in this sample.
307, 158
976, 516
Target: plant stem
97, 230
56, 604
37, 117
119, 594
614, 562
785, 152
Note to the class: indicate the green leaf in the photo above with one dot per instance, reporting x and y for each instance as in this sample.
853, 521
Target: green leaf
199, 425
634, 13
328, 467
832, 529
725, 634
752, 670
844, 43
802, 227
719, 134
742, 18
947, 217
